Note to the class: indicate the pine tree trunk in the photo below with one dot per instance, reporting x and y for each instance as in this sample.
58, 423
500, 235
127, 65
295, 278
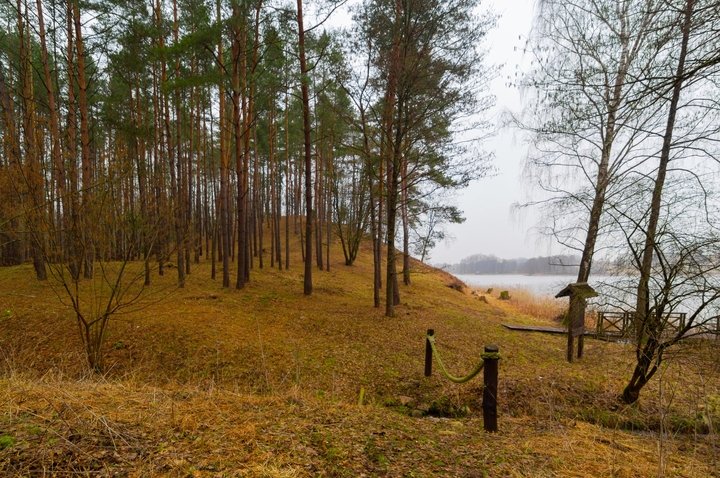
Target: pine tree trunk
328, 204
75, 244
318, 206
239, 120
258, 215
56, 150
224, 209
86, 163
288, 175
405, 223
391, 149
32, 172
145, 235
177, 176
12, 251
307, 283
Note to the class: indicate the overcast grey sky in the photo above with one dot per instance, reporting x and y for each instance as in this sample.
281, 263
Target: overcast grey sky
491, 226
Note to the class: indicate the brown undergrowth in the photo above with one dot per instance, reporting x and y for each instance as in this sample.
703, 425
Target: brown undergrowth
266, 382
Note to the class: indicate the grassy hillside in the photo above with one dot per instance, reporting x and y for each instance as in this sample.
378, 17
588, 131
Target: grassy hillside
265, 382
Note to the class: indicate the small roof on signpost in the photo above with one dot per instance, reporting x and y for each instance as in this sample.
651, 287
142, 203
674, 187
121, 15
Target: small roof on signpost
581, 289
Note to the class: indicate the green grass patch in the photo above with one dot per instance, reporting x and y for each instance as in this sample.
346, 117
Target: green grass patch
6, 441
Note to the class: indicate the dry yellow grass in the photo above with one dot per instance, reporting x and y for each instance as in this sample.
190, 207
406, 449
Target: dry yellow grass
264, 382
527, 303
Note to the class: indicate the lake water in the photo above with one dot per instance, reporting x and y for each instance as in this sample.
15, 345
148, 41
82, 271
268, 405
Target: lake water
610, 298
542, 285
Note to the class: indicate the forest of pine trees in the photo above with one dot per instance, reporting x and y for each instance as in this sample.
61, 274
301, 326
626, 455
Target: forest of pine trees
178, 131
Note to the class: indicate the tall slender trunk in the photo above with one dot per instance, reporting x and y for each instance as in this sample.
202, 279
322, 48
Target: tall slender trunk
307, 283
169, 152
269, 211
55, 148
404, 198
208, 172
319, 158
239, 120
200, 183
215, 232
258, 204
328, 203
649, 324
288, 175
191, 189
249, 127
390, 150
145, 234
224, 202
278, 213
76, 249
275, 181
11, 148
601, 183
374, 217
158, 168
393, 293
177, 176
86, 162
297, 194
33, 174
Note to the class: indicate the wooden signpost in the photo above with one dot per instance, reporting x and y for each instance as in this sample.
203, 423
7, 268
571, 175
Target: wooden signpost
578, 293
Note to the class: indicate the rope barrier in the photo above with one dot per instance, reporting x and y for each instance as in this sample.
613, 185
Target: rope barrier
452, 378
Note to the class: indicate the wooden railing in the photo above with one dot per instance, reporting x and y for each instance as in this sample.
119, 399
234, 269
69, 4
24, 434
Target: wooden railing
711, 326
613, 324
618, 324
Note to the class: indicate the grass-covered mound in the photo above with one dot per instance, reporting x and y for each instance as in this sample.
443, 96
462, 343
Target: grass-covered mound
203, 381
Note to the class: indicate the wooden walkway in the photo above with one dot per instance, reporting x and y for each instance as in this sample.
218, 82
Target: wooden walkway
545, 329
616, 325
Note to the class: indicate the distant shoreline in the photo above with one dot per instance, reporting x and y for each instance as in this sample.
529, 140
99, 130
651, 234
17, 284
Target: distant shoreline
528, 274
559, 265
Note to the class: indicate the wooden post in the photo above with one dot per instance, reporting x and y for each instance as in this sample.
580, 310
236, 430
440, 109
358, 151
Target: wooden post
580, 346
576, 325
571, 319
581, 336
490, 378
428, 354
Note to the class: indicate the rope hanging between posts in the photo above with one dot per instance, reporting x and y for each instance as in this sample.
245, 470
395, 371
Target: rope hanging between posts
490, 358
452, 378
